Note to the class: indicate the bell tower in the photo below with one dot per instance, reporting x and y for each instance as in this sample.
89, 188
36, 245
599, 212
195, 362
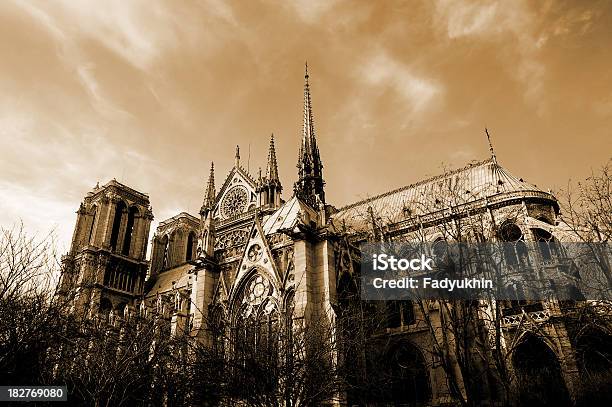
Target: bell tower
106, 266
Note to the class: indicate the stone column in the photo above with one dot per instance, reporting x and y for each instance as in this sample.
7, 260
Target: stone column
302, 263
136, 237
202, 290
77, 235
567, 360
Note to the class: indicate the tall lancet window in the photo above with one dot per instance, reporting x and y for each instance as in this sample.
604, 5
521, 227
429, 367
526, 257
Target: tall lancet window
257, 322
191, 242
120, 212
129, 230
92, 227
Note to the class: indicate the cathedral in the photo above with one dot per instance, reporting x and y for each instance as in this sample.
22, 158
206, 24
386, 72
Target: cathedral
252, 252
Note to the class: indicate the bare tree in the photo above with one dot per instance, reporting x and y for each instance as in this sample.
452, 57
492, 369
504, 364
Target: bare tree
31, 312
278, 361
587, 215
118, 360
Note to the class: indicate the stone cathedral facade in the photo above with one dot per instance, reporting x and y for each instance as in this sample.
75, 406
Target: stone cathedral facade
252, 251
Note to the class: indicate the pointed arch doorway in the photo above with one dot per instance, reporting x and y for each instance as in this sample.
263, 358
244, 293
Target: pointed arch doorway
538, 373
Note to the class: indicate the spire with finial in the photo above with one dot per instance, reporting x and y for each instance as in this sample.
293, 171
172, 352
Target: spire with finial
493, 157
310, 169
272, 167
237, 157
209, 198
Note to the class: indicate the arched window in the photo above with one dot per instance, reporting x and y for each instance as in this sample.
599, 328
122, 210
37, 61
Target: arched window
94, 219
129, 229
406, 376
514, 248
546, 244
257, 321
191, 242
120, 210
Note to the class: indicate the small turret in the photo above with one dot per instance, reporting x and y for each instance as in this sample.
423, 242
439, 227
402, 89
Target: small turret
206, 240
210, 193
269, 187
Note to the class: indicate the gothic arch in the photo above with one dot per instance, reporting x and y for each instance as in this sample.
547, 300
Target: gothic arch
594, 358
594, 347
547, 244
538, 372
512, 238
406, 375
238, 290
255, 315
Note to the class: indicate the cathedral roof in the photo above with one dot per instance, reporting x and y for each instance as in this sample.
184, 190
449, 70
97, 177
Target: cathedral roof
182, 215
118, 186
288, 216
177, 277
484, 180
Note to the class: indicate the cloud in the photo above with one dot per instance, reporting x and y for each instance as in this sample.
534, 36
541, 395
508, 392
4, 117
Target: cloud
495, 21
134, 30
310, 11
419, 92
138, 31
44, 177
45, 213
102, 103
469, 19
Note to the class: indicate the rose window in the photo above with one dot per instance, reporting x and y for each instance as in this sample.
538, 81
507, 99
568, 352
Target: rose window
235, 202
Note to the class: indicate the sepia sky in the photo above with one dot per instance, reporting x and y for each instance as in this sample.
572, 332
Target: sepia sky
149, 92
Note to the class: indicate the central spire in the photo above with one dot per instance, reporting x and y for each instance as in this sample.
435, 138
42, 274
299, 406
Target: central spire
308, 132
309, 186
